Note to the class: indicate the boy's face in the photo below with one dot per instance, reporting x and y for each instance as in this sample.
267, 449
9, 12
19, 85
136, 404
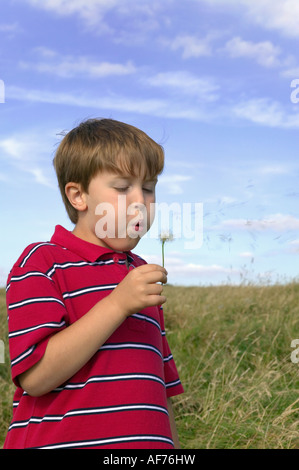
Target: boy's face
119, 210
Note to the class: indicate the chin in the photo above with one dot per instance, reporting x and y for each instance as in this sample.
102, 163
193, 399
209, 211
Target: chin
122, 244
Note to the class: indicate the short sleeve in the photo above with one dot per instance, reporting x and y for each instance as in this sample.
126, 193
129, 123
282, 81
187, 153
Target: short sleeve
172, 380
36, 311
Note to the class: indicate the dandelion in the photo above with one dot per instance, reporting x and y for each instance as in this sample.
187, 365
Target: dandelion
165, 237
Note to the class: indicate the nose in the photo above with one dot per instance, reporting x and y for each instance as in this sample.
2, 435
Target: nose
137, 196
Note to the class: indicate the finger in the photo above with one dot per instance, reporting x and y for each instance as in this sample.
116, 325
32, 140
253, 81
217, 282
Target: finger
155, 300
155, 276
154, 289
151, 267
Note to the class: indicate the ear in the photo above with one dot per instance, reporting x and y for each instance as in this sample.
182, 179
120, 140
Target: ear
76, 196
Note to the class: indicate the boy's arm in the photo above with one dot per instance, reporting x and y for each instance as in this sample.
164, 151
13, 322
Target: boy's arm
70, 349
174, 433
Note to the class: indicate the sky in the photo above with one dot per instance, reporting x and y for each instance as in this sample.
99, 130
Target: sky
215, 82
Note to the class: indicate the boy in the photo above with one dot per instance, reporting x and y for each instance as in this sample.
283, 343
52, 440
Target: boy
89, 355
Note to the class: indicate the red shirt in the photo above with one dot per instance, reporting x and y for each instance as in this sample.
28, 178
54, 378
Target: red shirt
119, 398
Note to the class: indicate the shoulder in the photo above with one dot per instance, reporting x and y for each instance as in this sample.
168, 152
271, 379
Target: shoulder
39, 254
35, 263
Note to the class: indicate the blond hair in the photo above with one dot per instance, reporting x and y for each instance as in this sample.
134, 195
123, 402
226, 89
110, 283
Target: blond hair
104, 145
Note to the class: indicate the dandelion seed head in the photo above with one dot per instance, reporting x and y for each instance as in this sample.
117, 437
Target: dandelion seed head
166, 236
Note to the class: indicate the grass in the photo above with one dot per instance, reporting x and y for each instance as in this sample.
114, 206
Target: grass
6, 386
232, 346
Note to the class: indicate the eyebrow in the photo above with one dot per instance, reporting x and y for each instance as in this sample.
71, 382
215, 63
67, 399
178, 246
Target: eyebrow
122, 177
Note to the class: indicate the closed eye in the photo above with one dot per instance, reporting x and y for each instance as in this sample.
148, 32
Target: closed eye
122, 190
148, 190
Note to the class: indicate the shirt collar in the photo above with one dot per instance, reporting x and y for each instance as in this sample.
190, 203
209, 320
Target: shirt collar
86, 250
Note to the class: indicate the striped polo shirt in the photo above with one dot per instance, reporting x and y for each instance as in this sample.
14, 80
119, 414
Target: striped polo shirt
119, 398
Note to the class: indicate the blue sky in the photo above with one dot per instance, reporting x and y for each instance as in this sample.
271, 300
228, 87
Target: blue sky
208, 79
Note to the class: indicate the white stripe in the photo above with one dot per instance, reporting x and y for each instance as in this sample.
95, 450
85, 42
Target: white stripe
77, 264
171, 384
20, 278
23, 356
34, 300
131, 345
33, 328
115, 440
111, 379
31, 273
88, 411
87, 290
148, 319
65, 266
168, 358
32, 251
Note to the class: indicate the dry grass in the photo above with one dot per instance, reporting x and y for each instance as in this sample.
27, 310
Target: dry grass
232, 346
232, 349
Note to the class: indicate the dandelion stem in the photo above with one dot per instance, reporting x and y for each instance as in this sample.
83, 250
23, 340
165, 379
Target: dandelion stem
163, 243
165, 237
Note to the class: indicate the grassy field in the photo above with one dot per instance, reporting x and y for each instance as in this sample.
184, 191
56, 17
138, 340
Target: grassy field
232, 346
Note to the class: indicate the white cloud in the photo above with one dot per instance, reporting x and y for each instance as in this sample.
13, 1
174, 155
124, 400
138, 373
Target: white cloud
265, 53
221, 200
246, 254
10, 28
273, 170
227, 200
191, 45
13, 147
184, 82
173, 183
266, 112
178, 268
193, 269
275, 223
291, 72
280, 15
138, 17
154, 107
83, 100
26, 153
261, 111
294, 246
41, 178
71, 66
91, 11
21, 147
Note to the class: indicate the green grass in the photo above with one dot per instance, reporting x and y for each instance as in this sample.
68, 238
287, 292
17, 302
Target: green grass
232, 346
6, 386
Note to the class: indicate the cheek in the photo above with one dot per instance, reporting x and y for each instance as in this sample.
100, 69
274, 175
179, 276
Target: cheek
121, 216
105, 220
151, 210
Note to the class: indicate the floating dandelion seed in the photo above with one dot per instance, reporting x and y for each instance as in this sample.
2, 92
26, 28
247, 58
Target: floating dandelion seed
165, 237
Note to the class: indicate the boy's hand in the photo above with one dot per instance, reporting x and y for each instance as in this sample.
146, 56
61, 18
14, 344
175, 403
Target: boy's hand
140, 289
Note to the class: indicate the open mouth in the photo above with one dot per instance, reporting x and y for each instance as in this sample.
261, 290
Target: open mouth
138, 227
